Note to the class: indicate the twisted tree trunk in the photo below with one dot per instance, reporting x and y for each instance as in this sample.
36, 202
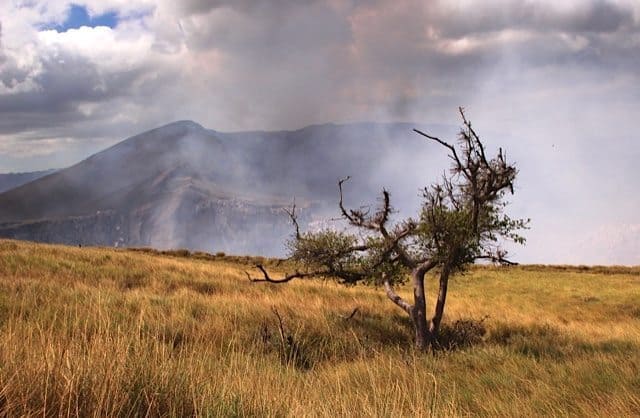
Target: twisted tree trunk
419, 310
434, 327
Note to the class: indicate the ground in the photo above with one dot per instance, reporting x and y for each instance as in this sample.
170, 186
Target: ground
97, 332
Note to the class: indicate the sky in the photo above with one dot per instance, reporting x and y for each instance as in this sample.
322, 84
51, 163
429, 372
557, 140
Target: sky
557, 84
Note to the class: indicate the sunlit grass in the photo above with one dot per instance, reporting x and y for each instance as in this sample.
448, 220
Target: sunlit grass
102, 332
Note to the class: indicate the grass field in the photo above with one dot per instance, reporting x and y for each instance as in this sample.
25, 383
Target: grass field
103, 332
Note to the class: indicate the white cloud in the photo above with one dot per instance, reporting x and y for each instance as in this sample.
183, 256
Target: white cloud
110, 49
558, 78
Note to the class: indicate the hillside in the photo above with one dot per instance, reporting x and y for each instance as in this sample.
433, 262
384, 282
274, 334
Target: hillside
10, 181
184, 186
105, 332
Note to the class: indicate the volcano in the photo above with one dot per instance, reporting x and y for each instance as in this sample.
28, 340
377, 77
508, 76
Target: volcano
184, 186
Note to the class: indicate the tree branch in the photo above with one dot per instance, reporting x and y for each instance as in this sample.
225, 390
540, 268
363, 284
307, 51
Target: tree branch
340, 203
360, 218
383, 215
294, 219
396, 298
476, 138
395, 246
497, 259
285, 279
427, 266
378, 223
454, 155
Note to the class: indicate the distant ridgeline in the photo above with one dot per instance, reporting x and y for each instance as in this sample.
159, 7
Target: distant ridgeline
12, 180
183, 186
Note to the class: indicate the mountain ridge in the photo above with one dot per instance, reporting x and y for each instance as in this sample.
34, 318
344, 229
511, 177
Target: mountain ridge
183, 185
9, 181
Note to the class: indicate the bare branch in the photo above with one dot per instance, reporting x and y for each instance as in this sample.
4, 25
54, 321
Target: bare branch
294, 218
383, 215
454, 155
396, 298
361, 218
497, 258
464, 118
341, 204
441, 142
285, 279
476, 138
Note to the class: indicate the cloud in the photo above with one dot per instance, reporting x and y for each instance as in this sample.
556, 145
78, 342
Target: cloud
62, 73
335, 59
553, 82
466, 18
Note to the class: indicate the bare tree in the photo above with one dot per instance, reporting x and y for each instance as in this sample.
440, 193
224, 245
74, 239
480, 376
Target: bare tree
461, 220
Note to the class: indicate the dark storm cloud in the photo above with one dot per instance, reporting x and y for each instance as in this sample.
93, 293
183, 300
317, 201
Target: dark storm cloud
268, 32
269, 6
64, 82
583, 17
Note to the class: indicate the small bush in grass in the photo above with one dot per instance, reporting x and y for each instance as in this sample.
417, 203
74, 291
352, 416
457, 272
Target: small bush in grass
462, 333
178, 253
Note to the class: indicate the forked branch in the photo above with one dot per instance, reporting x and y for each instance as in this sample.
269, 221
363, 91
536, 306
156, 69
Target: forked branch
454, 154
287, 278
360, 218
499, 258
294, 219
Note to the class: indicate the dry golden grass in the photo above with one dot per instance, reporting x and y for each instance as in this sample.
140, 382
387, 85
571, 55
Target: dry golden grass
103, 332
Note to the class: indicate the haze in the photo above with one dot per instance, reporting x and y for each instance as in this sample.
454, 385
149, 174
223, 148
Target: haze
557, 84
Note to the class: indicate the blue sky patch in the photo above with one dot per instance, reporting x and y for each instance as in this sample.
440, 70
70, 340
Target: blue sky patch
78, 17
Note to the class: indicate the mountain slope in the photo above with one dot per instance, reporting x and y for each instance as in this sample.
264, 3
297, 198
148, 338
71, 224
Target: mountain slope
182, 185
10, 181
